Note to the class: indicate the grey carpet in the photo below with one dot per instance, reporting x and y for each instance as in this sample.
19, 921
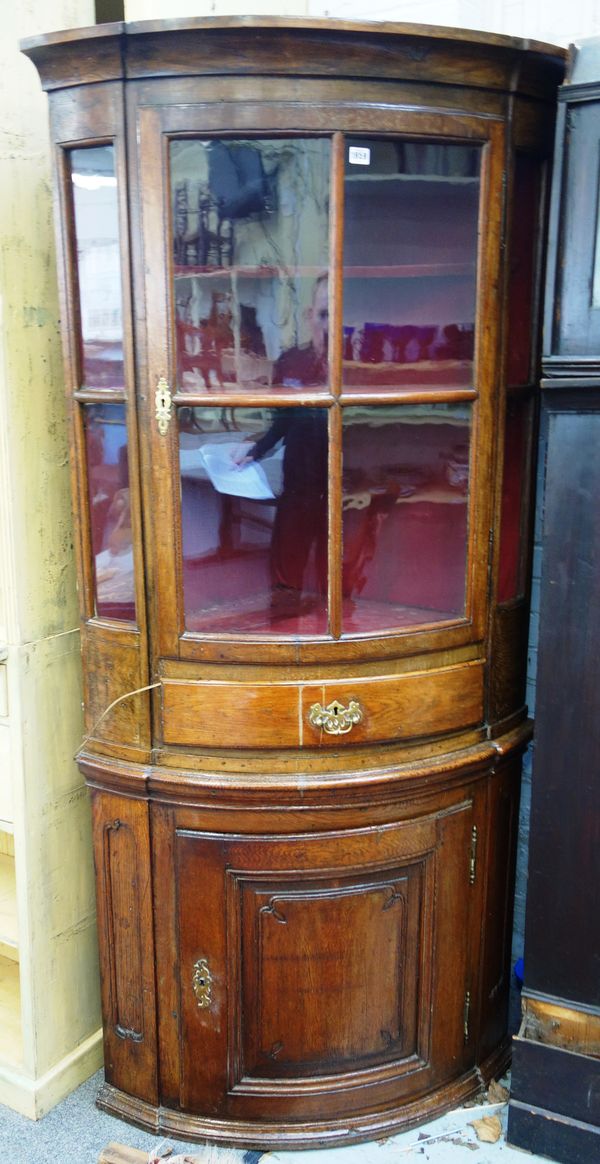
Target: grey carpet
75, 1132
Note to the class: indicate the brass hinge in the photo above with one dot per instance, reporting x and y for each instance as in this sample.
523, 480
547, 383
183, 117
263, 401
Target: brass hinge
473, 856
490, 562
466, 1016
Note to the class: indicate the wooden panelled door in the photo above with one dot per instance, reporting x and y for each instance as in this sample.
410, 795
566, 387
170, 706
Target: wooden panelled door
306, 965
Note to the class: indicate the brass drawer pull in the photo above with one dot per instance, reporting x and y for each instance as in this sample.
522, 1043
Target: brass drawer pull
202, 983
335, 719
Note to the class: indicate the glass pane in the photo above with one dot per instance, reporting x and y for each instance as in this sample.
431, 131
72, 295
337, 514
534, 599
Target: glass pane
576, 330
515, 498
410, 250
251, 252
405, 519
110, 512
98, 266
254, 519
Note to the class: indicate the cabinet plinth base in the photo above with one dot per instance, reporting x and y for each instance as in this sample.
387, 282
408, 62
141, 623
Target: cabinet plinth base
318, 1134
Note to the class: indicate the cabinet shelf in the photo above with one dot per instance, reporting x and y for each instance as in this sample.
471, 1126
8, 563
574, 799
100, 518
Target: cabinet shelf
353, 271
244, 272
8, 909
219, 272
11, 1037
409, 271
400, 179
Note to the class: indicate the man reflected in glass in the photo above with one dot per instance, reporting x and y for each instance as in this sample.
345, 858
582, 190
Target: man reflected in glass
299, 540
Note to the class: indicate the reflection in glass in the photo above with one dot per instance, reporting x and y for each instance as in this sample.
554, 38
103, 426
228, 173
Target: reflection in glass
405, 520
410, 250
254, 519
250, 242
110, 511
596, 268
98, 266
576, 314
515, 498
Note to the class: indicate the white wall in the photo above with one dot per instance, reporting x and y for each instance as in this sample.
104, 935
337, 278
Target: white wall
549, 20
44, 809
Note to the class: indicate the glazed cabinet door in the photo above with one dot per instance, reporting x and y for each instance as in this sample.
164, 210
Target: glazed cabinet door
95, 292
320, 346
311, 966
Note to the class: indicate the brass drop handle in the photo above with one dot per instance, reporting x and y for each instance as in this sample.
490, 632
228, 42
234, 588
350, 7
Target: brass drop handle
202, 983
335, 719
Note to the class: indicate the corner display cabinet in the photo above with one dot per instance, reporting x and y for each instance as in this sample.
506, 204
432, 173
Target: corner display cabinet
300, 269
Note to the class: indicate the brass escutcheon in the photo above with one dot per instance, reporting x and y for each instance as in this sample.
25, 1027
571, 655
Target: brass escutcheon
202, 983
335, 719
163, 402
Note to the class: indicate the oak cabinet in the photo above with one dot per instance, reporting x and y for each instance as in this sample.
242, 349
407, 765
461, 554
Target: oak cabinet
300, 269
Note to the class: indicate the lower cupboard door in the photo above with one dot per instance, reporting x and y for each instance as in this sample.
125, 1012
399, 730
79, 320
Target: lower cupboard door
321, 974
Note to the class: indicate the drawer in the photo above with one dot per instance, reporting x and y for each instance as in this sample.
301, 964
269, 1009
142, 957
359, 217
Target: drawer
401, 707
209, 714
220, 714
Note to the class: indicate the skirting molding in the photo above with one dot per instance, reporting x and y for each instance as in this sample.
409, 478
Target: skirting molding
34, 1097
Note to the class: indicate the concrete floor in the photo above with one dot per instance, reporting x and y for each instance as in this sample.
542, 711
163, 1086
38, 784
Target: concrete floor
75, 1132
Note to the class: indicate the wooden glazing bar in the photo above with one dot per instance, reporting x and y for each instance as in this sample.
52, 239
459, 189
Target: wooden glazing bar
238, 399
484, 414
334, 541
69, 284
81, 486
336, 227
336, 243
129, 371
69, 306
160, 501
409, 396
100, 395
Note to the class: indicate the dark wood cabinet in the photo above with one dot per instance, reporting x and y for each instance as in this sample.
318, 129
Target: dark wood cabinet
555, 1100
300, 268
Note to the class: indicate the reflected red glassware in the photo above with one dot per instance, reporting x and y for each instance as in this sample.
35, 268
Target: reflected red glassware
110, 510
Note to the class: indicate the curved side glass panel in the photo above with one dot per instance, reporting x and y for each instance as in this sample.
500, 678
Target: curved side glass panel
109, 510
95, 207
